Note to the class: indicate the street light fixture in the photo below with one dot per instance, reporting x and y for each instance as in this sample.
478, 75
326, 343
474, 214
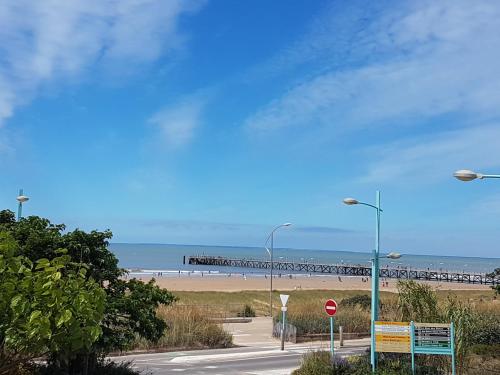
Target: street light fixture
468, 175
270, 252
393, 255
375, 271
21, 198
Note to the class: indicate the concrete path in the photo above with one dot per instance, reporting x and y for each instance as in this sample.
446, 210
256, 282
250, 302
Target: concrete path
266, 360
258, 354
255, 333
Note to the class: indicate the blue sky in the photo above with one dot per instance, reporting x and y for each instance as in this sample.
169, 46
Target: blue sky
208, 122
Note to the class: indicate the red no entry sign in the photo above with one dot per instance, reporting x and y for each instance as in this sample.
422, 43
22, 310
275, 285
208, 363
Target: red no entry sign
331, 307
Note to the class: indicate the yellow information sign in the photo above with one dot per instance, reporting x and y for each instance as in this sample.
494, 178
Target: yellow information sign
394, 337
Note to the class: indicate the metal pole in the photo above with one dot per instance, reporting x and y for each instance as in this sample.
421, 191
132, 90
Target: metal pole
375, 283
412, 338
331, 336
373, 314
20, 207
341, 334
283, 329
271, 287
452, 334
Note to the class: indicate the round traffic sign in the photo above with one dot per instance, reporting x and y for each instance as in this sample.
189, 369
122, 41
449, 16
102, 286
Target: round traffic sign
331, 307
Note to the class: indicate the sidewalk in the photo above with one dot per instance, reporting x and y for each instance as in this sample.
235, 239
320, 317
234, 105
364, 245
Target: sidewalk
258, 334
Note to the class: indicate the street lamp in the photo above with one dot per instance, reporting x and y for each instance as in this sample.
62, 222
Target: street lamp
21, 198
468, 175
375, 270
270, 252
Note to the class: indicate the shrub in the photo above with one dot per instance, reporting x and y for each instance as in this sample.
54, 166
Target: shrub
309, 321
247, 312
362, 300
102, 368
487, 330
417, 302
320, 363
486, 350
188, 328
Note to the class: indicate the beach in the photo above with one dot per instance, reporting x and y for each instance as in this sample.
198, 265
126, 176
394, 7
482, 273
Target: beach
239, 282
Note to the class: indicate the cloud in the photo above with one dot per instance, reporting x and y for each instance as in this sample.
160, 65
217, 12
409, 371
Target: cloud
177, 123
437, 156
51, 41
416, 63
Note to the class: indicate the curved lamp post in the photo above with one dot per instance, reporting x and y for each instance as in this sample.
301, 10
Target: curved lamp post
270, 252
375, 270
21, 198
468, 175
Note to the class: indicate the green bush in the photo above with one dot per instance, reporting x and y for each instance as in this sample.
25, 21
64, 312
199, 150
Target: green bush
486, 350
354, 320
102, 368
362, 300
487, 330
320, 363
247, 312
187, 328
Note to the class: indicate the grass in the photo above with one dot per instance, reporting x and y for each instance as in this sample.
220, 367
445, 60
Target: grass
314, 299
188, 328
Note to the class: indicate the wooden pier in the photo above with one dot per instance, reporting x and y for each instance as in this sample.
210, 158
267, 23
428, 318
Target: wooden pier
344, 269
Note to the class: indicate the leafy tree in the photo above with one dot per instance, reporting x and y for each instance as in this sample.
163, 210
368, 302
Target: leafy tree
130, 305
495, 274
50, 306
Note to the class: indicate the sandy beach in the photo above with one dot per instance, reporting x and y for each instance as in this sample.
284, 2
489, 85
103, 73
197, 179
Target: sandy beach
238, 282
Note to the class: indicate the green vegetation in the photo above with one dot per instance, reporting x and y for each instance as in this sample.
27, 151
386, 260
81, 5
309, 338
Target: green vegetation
496, 288
189, 328
63, 297
47, 307
477, 334
363, 301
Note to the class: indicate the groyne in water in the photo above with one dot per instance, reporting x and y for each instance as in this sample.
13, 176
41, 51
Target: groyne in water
345, 269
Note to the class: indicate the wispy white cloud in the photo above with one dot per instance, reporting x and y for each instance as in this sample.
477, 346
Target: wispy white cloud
435, 157
177, 123
416, 62
43, 42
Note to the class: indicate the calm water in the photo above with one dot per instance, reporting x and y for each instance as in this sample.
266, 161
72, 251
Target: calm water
161, 257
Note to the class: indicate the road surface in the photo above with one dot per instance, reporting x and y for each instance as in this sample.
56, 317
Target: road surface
264, 360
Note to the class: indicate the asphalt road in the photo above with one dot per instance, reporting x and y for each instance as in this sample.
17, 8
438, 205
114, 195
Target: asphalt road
244, 360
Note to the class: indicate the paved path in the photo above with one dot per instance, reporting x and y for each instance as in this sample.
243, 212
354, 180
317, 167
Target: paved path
245, 360
258, 354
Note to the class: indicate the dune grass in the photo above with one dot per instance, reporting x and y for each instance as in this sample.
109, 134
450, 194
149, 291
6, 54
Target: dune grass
314, 299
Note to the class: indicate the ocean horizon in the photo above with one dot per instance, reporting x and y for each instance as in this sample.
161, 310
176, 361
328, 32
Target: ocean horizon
170, 257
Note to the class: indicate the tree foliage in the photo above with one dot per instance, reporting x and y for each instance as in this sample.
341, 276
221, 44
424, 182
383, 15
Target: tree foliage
495, 274
49, 306
129, 305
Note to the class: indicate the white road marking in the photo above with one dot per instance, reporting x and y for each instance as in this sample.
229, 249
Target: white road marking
198, 358
284, 371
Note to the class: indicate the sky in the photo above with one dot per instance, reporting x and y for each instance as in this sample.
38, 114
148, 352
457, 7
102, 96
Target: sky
210, 122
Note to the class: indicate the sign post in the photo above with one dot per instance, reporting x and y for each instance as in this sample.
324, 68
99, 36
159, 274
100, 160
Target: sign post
434, 338
416, 338
331, 310
284, 300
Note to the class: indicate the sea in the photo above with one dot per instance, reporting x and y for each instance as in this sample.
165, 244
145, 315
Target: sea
169, 259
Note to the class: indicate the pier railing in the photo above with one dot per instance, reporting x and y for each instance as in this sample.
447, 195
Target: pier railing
345, 269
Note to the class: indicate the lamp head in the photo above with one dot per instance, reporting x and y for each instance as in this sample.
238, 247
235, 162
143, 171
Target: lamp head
393, 255
286, 224
22, 198
466, 175
350, 201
